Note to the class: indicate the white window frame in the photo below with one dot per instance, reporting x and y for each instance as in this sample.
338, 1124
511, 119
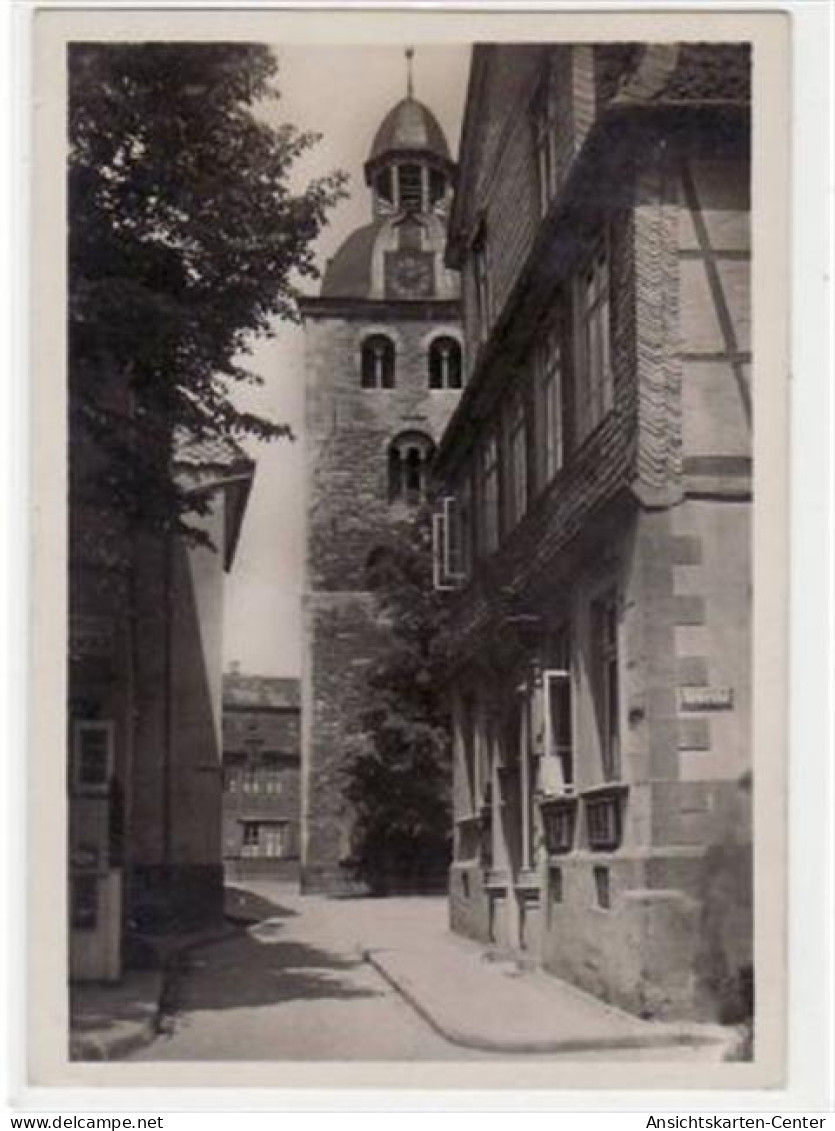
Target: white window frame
444, 532
549, 676
89, 726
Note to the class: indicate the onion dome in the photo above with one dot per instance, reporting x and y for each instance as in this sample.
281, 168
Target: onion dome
399, 255
412, 127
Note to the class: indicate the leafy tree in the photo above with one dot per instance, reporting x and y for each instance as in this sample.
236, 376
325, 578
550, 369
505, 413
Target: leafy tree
399, 770
185, 239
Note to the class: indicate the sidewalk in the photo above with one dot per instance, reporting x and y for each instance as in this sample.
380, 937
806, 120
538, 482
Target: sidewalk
494, 1006
481, 1004
110, 1020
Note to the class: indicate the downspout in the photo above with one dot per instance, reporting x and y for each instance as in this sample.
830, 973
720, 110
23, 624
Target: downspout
132, 720
168, 711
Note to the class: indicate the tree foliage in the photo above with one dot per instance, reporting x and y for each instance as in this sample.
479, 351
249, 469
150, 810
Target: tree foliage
399, 772
186, 241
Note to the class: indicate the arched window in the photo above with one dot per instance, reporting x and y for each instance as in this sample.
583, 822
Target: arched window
445, 364
377, 362
409, 456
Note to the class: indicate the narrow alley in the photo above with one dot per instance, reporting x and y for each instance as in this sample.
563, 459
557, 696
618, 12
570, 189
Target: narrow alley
294, 983
294, 986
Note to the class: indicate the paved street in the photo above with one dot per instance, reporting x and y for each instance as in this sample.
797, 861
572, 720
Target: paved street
292, 986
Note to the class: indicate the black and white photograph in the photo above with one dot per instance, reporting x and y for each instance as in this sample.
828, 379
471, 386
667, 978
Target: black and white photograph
414, 704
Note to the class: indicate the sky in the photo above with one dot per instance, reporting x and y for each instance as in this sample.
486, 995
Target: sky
343, 93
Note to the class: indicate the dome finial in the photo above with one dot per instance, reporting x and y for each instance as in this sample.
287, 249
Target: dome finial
410, 54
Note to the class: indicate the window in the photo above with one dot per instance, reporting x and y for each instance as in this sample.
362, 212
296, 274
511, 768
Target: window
448, 555
275, 839
558, 821
545, 139
92, 756
377, 363
557, 770
594, 386
251, 783
516, 465
605, 688
604, 820
445, 364
272, 782
270, 839
549, 379
602, 888
489, 496
409, 458
250, 839
410, 181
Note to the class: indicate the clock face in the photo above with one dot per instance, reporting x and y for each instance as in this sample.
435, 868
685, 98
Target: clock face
409, 274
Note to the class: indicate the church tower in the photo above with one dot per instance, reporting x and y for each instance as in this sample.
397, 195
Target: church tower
384, 371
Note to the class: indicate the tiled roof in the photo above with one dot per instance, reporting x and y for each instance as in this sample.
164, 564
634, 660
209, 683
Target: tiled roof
271, 692
213, 451
686, 73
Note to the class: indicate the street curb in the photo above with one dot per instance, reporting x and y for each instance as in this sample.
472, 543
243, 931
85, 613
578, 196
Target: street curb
670, 1038
92, 1047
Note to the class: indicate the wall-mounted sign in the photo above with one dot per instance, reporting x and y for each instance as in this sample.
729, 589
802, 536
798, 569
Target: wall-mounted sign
705, 698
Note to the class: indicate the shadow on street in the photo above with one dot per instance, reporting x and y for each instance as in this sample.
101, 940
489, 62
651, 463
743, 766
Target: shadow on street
243, 906
257, 969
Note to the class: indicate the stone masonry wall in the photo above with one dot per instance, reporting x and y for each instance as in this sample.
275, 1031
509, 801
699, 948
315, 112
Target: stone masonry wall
349, 430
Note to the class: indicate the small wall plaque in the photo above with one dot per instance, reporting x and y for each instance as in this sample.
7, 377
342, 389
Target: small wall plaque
705, 698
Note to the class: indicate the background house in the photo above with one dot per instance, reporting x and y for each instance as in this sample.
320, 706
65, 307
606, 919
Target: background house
597, 486
261, 777
144, 767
